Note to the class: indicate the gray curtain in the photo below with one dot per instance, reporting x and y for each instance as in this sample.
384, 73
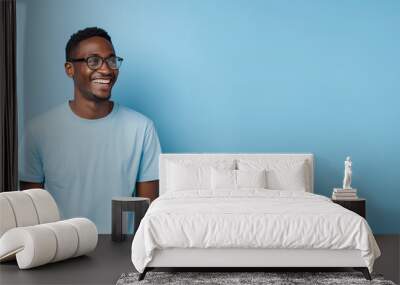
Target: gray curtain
8, 98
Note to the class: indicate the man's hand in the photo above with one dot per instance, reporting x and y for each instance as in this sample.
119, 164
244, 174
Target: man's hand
148, 189
24, 185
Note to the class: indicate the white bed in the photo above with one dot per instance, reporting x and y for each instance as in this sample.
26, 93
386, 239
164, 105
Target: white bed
199, 226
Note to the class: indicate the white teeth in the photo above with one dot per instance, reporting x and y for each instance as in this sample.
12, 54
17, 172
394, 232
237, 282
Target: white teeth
102, 81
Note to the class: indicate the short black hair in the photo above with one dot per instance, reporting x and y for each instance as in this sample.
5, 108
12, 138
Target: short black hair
84, 34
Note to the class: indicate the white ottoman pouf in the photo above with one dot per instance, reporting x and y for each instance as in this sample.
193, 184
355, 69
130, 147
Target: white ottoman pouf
26, 208
31, 233
41, 244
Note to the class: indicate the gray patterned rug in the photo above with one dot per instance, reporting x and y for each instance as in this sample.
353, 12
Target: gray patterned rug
269, 278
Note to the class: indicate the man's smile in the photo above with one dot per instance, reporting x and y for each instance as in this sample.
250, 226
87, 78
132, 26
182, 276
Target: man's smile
102, 81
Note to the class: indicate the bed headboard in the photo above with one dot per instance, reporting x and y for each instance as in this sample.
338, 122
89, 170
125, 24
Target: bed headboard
167, 157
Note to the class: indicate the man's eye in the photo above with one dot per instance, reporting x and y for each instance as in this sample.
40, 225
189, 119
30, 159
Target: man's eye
93, 60
112, 60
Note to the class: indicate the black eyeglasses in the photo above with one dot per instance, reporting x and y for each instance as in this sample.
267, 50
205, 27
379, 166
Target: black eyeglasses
95, 62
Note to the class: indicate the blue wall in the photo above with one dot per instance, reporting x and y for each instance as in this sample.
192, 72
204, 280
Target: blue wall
245, 76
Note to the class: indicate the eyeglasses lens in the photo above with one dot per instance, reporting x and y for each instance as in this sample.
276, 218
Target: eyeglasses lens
94, 62
112, 62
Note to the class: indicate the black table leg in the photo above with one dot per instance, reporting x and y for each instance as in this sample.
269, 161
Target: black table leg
117, 234
140, 211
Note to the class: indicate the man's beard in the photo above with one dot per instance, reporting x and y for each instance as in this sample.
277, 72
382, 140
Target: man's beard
93, 97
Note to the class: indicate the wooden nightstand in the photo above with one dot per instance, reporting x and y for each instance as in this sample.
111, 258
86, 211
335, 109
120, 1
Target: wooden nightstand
120, 207
355, 205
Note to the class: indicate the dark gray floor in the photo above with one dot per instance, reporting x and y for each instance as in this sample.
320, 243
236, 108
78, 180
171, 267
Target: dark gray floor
389, 262
110, 260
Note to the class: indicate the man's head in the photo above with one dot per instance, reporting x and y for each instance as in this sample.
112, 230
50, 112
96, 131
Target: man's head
92, 63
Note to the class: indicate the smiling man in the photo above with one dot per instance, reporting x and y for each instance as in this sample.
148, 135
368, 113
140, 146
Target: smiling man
91, 149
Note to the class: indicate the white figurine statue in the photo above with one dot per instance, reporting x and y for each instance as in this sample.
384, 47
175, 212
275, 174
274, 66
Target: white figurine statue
347, 173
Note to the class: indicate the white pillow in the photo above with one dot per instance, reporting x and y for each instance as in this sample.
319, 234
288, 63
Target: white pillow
237, 179
281, 174
190, 175
251, 178
223, 179
182, 177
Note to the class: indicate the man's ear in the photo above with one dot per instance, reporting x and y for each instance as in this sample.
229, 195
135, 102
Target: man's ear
69, 69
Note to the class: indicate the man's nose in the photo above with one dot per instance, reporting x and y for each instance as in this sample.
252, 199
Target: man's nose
104, 68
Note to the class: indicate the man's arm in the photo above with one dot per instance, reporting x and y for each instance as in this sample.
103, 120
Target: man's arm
23, 185
148, 189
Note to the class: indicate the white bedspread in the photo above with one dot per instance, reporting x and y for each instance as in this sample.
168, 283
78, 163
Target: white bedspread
250, 218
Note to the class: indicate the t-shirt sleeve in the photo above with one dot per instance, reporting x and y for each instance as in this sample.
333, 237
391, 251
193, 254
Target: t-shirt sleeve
148, 168
29, 161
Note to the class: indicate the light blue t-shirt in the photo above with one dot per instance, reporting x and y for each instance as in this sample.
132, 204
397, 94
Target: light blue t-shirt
85, 163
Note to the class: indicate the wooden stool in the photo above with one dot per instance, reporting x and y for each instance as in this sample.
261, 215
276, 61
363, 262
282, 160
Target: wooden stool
120, 207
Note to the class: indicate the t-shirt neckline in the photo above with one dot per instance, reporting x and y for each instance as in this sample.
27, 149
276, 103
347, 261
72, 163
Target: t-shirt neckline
93, 121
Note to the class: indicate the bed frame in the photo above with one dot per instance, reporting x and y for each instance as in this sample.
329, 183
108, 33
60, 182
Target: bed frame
245, 258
